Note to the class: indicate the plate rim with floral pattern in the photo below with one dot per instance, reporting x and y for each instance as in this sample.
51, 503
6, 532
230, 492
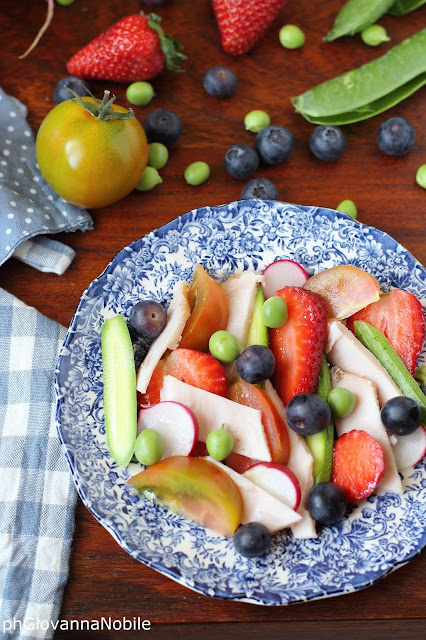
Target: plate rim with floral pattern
380, 534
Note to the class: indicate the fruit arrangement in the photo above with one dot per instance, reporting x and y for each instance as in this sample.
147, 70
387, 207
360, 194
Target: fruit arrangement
269, 401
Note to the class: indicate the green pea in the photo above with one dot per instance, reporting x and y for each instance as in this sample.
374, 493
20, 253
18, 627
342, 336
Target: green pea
342, 401
158, 155
224, 346
357, 15
150, 179
149, 446
421, 176
140, 93
368, 90
291, 37
401, 7
219, 443
65, 3
348, 207
256, 120
274, 312
197, 172
374, 35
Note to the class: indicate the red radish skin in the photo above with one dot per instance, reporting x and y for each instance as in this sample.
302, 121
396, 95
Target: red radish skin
176, 423
277, 480
410, 450
282, 273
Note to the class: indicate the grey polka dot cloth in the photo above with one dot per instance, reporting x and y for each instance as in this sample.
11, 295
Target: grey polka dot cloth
29, 209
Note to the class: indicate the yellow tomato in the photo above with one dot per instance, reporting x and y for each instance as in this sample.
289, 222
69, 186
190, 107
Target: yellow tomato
91, 160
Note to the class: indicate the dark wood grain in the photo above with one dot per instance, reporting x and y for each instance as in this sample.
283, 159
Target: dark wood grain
104, 580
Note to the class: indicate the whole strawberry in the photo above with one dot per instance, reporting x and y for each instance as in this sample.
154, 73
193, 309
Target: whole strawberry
134, 48
243, 22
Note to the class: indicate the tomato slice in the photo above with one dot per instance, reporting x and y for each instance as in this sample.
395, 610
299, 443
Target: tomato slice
210, 311
275, 428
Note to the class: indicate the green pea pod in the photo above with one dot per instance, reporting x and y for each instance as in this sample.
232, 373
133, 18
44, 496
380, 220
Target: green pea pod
380, 347
368, 90
401, 7
357, 15
321, 444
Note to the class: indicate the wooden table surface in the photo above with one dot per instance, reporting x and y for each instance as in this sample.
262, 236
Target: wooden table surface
104, 580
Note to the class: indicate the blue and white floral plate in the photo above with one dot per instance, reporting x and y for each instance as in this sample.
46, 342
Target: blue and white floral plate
381, 534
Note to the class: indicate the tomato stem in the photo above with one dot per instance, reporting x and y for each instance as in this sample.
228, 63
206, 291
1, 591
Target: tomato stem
102, 110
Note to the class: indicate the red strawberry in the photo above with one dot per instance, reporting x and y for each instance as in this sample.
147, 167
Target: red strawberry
299, 344
243, 22
358, 464
134, 48
399, 316
193, 367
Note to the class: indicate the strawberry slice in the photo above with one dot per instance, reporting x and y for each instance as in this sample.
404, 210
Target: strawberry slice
193, 367
399, 316
299, 344
358, 464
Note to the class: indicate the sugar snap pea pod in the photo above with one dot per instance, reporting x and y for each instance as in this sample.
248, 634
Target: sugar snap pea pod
321, 444
363, 92
401, 7
357, 15
380, 347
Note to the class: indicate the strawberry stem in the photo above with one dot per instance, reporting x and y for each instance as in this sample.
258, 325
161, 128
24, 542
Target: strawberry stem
169, 46
45, 25
102, 109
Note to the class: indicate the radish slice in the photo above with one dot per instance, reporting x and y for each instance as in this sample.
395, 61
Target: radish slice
277, 480
176, 423
409, 450
282, 273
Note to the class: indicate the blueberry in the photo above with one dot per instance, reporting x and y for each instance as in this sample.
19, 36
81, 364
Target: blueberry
220, 81
252, 540
147, 318
163, 125
260, 188
401, 415
327, 142
241, 161
255, 364
327, 503
307, 413
60, 93
155, 4
274, 144
396, 136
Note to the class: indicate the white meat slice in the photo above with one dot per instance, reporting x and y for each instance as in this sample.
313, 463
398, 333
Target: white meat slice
345, 351
240, 291
177, 315
301, 462
242, 422
366, 417
258, 505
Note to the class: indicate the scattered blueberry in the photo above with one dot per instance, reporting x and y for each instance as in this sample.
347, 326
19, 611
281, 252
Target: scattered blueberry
220, 81
307, 413
241, 161
255, 364
396, 136
401, 415
147, 318
327, 503
252, 540
327, 142
260, 188
163, 125
156, 4
274, 144
61, 93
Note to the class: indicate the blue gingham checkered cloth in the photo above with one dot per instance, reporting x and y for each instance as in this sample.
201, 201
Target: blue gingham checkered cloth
37, 495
